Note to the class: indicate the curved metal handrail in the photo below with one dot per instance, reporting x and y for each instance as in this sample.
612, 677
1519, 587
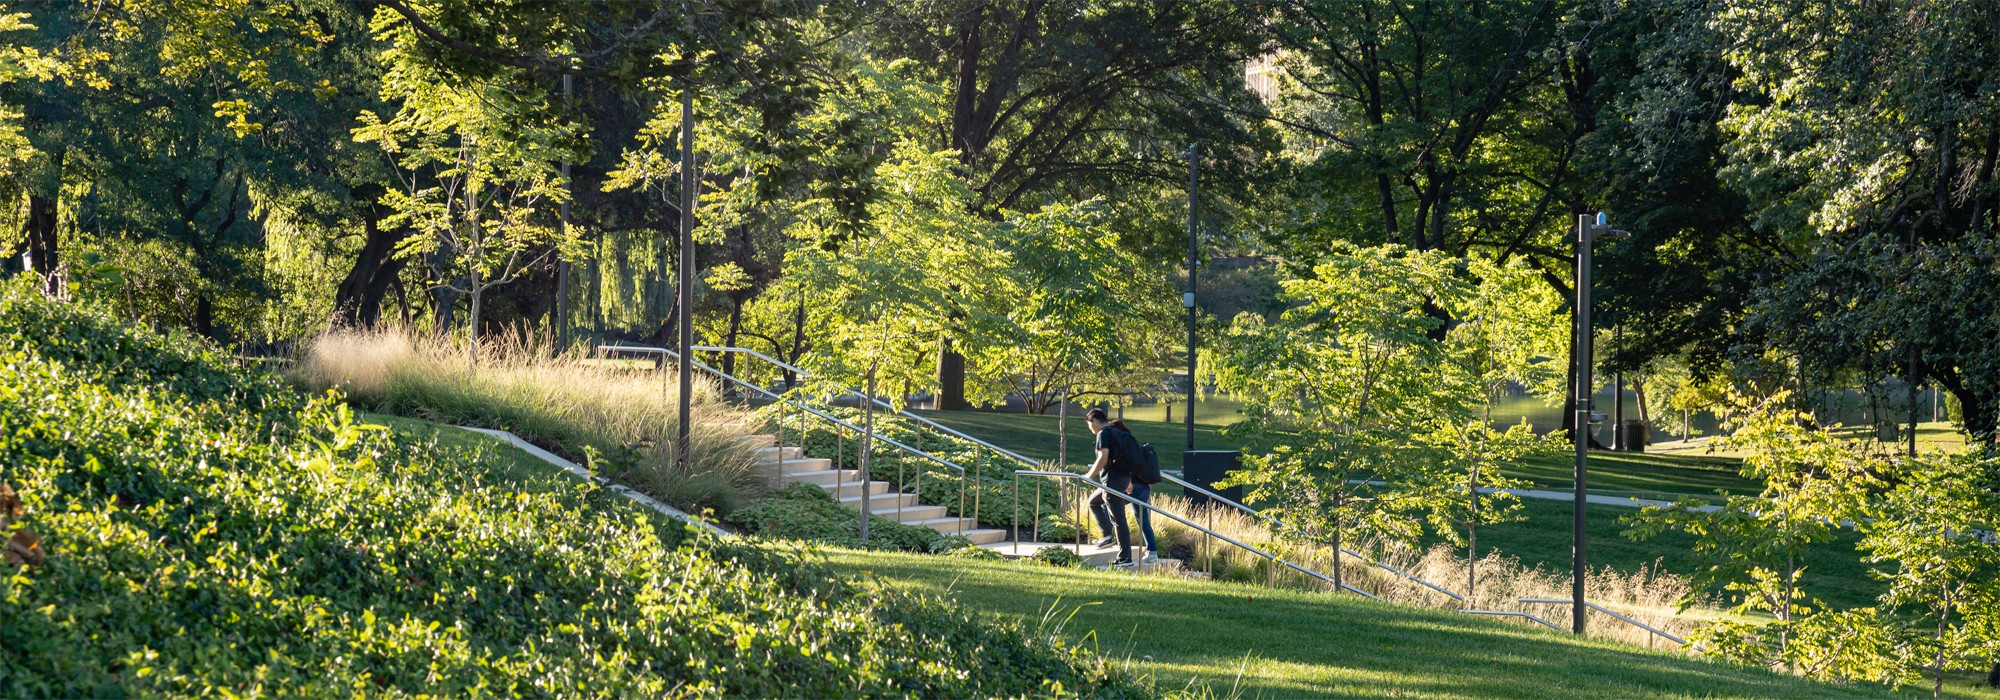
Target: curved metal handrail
964, 481
940, 427
1278, 525
1511, 613
1184, 521
780, 398
1602, 609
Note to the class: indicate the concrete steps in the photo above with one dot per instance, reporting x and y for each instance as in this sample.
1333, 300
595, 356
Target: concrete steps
787, 464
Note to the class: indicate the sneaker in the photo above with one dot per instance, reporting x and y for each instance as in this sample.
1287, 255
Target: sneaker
1151, 557
1106, 542
1123, 564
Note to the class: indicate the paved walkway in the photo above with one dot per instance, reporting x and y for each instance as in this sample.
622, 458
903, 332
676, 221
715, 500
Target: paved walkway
1595, 499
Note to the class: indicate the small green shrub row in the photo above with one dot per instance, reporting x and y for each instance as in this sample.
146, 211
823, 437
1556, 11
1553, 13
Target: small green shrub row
202, 546
808, 512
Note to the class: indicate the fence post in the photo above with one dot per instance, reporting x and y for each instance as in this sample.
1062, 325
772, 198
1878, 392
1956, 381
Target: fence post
1016, 515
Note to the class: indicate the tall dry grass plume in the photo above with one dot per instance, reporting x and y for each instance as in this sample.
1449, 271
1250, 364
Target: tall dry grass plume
1650, 596
625, 412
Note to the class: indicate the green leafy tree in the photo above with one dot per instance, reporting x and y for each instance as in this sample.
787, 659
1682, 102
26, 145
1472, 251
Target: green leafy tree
479, 186
1933, 532
1813, 482
1337, 390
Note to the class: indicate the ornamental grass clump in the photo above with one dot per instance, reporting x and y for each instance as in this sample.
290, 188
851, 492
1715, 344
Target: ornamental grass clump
562, 403
1649, 595
209, 533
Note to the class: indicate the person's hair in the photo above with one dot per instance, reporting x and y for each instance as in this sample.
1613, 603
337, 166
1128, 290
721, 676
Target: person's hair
1098, 414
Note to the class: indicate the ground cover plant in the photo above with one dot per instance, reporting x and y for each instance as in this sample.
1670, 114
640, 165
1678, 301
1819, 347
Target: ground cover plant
808, 512
1252, 641
622, 422
203, 531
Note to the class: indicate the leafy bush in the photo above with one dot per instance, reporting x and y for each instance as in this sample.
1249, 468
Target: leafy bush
560, 403
1057, 556
241, 539
808, 512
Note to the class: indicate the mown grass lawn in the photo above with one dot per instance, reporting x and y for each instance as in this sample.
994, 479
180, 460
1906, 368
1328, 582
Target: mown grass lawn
1248, 641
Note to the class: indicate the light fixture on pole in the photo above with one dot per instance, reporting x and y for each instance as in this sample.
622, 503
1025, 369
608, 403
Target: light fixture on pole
689, 180
1587, 231
1187, 300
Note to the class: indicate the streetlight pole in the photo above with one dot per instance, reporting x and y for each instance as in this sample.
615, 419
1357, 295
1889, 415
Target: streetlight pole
689, 180
1187, 300
562, 260
1587, 230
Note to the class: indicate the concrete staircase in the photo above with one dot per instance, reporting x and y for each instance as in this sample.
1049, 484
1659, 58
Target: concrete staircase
787, 464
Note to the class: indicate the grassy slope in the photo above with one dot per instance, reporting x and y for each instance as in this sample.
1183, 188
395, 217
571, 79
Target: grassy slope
506, 460
1293, 659
1298, 644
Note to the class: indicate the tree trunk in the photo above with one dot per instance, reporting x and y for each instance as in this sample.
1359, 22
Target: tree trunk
204, 315
358, 300
951, 379
43, 252
867, 448
729, 337
1976, 412
1062, 431
1339, 583
1639, 390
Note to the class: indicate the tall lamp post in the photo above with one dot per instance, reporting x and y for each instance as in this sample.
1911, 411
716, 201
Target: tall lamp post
1187, 300
1587, 230
689, 179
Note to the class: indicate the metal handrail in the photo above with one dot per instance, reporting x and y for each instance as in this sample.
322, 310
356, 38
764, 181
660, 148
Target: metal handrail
964, 479
850, 391
1184, 521
1602, 609
1278, 525
1511, 613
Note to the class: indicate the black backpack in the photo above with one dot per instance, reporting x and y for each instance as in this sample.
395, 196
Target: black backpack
1137, 459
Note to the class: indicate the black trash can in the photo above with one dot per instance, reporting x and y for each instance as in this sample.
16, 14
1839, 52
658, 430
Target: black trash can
1205, 467
1633, 434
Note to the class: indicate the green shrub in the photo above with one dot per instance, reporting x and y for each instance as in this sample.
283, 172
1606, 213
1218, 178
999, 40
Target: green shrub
808, 512
1057, 556
215, 534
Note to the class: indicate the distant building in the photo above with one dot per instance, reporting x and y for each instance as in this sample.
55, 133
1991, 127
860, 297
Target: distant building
1260, 75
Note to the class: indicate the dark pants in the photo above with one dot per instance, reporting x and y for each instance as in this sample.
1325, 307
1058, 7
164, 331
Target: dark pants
1110, 512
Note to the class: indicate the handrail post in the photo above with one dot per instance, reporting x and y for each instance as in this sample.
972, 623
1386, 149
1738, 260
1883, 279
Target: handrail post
1035, 523
1208, 543
1015, 515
